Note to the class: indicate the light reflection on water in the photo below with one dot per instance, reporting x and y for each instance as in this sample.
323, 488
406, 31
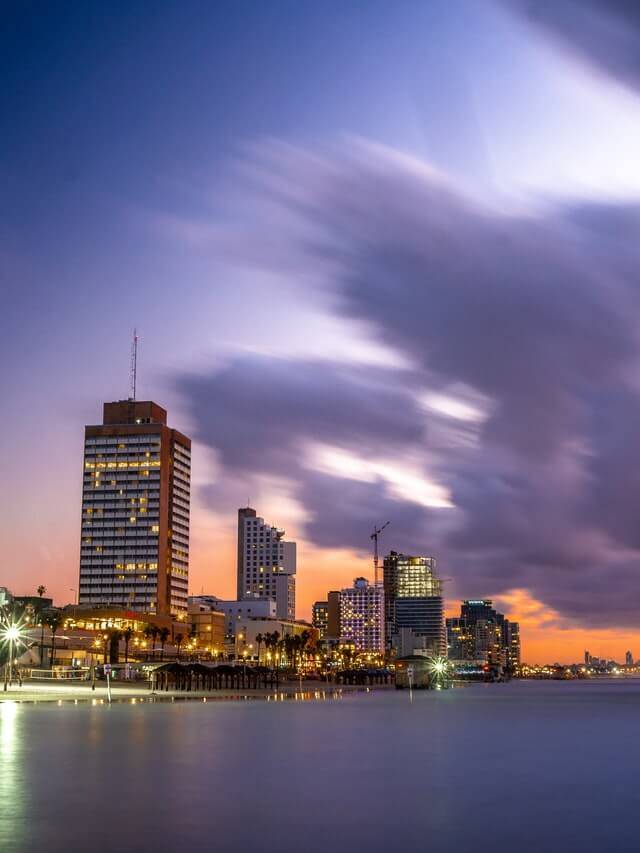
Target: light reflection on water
12, 799
520, 768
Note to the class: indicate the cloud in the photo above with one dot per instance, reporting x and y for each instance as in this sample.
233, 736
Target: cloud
603, 33
518, 403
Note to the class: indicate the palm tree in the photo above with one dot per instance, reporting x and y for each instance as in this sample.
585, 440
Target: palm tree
154, 633
266, 639
148, 632
41, 590
178, 641
260, 639
127, 634
289, 648
54, 620
271, 643
302, 642
113, 635
164, 636
42, 619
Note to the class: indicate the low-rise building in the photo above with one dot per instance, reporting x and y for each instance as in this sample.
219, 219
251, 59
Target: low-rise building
412, 671
235, 611
207, 627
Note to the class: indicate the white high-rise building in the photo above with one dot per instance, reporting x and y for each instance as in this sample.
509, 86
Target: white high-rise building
266, 563
362, 616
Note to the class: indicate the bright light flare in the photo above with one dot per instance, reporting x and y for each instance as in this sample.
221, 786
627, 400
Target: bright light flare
12, 632
438, 666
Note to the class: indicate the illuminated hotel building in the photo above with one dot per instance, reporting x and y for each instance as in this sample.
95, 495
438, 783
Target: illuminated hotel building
362, 616
135, 511
266, 565
413, 600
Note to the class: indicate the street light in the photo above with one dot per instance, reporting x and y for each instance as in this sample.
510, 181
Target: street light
11, 634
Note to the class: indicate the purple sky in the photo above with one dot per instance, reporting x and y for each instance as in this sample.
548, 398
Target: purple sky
383, 264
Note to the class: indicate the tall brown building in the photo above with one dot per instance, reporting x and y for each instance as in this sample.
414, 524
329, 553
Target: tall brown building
135, 511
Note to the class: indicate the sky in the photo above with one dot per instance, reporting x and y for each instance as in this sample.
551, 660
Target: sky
382, 260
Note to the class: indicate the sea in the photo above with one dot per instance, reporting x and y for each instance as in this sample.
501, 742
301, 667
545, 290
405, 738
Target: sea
503, 768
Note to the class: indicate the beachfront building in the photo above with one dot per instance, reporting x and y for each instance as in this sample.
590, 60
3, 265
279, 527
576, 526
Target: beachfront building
413, 600
482, 634
266, 563
134, 551
326, 616
234, 612
362, 616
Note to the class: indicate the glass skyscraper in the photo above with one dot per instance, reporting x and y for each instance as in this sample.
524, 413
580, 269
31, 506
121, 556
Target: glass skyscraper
413, 600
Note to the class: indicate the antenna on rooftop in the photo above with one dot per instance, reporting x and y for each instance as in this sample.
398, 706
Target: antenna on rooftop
133, 369
376, 532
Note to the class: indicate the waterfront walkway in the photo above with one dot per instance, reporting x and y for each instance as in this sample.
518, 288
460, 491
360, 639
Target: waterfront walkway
140, 691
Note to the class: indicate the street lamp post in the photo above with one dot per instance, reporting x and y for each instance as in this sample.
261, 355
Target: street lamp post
11, 634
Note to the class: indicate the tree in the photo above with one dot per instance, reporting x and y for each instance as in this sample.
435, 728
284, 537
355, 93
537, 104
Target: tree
148, 633
289, 648
41, 590
179, 641
127, 634
54, 620
154, 633
302, 642
271, 643
260, 638
113, 641
42, 619
164, 636
347, 655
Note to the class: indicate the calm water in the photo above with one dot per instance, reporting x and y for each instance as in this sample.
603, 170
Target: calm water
519, 767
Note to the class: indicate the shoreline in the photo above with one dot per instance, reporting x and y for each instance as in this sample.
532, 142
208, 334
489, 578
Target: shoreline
82, 694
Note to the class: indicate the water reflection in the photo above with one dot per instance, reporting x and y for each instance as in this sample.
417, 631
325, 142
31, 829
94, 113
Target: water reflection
12, 794
326, 770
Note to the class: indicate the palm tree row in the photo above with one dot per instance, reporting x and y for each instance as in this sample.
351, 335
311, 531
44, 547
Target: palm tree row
293, 647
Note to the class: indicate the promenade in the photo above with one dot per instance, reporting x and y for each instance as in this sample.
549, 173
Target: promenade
141, 692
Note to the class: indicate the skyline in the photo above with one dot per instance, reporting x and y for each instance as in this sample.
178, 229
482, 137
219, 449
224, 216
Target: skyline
396, 285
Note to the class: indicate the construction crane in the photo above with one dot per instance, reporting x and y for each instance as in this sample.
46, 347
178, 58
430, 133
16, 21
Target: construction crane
376, 532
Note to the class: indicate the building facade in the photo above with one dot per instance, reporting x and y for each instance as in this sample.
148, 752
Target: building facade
326, 616
207, 627
413, 599
461, 643
135, 511
320, 617
266, 564
482, 634
362, 616
235, 612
